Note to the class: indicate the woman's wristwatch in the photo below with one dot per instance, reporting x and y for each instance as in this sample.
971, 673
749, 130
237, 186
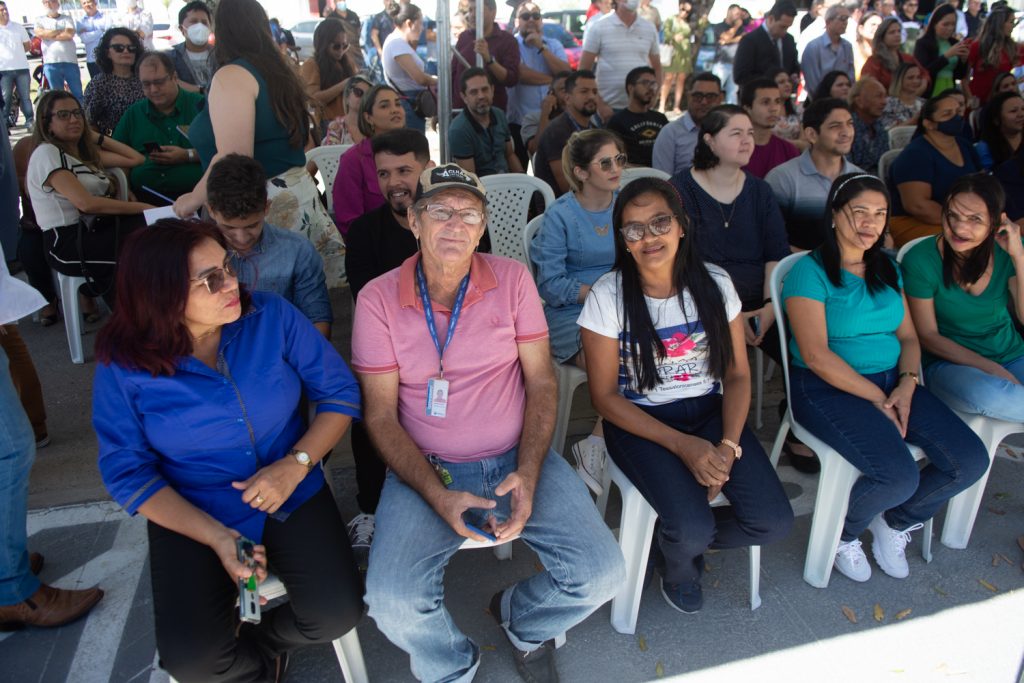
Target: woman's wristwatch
303, 459
737, 450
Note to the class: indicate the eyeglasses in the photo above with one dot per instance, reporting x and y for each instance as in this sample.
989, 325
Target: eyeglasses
705, 96
647, 83
155, 83
359, 92
659, 225
217, 278
65, 114
441, 212
530, 16
606, 163
120, 47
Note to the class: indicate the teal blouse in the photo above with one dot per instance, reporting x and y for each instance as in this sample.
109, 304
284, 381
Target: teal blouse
271, 146
861, 325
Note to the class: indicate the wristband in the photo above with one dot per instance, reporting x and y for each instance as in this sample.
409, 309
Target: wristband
100, 139
912, 375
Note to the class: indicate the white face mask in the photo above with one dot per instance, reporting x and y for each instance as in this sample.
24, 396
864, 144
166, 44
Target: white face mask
341, 6
198, 34
631, 5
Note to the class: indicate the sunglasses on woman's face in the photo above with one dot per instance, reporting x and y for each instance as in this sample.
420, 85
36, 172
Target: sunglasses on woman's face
606, 163
216, 278
659, 225
120, 47
357, 91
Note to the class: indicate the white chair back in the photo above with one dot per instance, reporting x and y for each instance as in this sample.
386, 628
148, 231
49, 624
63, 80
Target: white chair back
531, 229
899, 136
508, 205
633, 172
910, 245
122, 182
327, 160
884, 164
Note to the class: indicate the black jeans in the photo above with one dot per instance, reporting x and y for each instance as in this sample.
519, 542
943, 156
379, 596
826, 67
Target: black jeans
194, 598
370, 469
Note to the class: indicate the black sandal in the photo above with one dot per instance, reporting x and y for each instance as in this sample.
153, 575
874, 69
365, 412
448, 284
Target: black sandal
808, 464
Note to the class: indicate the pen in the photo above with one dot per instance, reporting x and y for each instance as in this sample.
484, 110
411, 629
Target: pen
157, 194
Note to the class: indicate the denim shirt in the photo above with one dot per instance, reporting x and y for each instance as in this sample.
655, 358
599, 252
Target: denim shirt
287, 264
201, 429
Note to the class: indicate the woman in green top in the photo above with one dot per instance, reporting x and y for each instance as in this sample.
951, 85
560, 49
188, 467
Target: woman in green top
258, 107
678, 36
958, 285
854, 384
939, 51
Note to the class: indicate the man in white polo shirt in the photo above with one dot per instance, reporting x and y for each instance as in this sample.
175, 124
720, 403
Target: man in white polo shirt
623, 41
60, 60
14, 42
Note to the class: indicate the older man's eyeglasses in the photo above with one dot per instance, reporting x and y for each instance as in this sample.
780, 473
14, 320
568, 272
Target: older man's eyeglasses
440, 212
607, 162
216, 278
659, 225
119, 48
155, 83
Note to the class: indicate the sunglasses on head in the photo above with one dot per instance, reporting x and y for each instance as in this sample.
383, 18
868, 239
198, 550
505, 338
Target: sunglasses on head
606, 163
216, 278
528, 16
119, 48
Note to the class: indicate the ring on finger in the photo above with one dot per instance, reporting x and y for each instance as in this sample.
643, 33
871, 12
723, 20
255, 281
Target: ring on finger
260, 499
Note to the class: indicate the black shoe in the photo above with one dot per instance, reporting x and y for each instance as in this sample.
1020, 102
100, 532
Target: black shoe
655, 562
536, 666
688, 598
808, 464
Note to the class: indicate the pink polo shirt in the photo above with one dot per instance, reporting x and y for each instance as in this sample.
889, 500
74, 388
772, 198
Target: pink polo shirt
486, 396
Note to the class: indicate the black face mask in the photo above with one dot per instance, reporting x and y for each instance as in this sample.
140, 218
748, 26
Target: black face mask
951, 127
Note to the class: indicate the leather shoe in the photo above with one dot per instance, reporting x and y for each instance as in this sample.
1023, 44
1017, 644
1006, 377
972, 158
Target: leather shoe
35, 563
49, 606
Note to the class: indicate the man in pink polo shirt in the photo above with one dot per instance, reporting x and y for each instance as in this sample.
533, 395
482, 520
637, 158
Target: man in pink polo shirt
452, 353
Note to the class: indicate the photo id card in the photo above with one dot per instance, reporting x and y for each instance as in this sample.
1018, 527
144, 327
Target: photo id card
437, 397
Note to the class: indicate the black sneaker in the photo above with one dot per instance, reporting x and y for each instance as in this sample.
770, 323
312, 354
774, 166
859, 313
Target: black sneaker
688, 598
537, 666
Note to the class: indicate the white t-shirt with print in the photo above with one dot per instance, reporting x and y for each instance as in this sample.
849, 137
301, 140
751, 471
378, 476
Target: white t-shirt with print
52, 209
684, 369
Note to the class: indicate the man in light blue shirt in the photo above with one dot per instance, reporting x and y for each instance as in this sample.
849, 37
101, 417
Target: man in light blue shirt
266, 258
829, 51
673, 148
540, 58
90, 28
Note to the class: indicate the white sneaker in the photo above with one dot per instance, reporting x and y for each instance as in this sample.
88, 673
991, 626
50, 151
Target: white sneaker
360, 535
889, 547
590, 454
851, 561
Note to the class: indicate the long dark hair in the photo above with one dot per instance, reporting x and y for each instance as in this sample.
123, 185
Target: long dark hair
102, 51
787, 103
243, 32
366, 108
940, 13
992, 40
712, 124
332, 71
85, 150
640, 337
991, 119
879, 269
928, 110
824, 88
968, 269
147, 329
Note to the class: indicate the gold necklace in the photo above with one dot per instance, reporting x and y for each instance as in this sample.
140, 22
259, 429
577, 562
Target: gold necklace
204, 335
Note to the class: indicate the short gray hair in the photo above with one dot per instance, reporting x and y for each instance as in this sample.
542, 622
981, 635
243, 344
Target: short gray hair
832, 13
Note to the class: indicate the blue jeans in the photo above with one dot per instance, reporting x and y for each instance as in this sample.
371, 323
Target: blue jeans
758, 513
890, 481
17, 451
729, 87
583, 567
974, 391
21, 78
412, 121
59, 73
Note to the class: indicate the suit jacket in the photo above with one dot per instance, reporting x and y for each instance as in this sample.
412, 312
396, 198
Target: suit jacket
757, 55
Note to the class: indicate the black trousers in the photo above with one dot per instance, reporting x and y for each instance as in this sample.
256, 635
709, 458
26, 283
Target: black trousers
93, 256
519, 145
370, 469
32, 254
194, 598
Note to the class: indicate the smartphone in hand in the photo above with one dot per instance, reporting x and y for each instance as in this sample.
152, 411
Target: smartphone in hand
248, 589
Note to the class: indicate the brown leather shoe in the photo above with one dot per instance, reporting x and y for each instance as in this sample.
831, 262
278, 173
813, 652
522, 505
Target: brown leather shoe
35, 563
49, 606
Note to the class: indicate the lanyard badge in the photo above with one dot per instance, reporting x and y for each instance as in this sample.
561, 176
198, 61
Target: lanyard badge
437, 387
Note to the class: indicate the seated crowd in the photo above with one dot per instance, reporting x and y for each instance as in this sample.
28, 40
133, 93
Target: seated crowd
651, 271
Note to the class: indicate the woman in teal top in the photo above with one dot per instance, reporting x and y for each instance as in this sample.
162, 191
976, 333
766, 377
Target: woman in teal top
573, 248
854, 382
959, 286
257, 106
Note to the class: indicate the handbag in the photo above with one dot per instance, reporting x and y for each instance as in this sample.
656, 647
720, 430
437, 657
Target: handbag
425, 104
94, 223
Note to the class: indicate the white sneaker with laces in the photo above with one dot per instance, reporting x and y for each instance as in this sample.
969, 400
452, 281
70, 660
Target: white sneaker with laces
590, 454
889, 545
360, 535
852, 562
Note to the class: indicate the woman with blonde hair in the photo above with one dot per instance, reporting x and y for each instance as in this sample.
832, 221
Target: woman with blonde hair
993, 52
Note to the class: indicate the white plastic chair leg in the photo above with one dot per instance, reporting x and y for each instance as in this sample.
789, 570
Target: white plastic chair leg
635, 530
758, 387
72, 315
926, 540
837, 478
602, 500
755, 577
350, 658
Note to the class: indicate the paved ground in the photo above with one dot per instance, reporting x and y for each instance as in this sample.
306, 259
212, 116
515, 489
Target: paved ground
958, 628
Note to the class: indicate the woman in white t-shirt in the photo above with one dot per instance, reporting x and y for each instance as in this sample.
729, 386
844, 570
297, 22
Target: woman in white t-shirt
66, 179
403, 68
667, 366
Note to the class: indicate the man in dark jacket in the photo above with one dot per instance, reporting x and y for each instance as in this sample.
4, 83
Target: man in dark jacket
769, 47
193, 59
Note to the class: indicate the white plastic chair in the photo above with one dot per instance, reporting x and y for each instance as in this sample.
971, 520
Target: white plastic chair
837, 474
884, 164
327, 160
899, 136
633, 172
346, 648
636, 529
963, 508
69, 284
508, 205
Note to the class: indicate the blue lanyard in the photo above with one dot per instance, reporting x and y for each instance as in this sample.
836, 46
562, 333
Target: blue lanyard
428, 312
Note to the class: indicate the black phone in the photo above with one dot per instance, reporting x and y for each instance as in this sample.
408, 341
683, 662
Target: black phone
151, 147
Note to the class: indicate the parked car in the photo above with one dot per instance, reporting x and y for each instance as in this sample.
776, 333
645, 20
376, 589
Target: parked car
571, 20
573, 46
166, 36
303, 34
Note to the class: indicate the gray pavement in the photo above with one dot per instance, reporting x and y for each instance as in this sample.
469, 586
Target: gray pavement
957, 628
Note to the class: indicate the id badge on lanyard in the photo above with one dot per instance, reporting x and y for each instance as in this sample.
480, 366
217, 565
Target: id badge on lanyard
438, 387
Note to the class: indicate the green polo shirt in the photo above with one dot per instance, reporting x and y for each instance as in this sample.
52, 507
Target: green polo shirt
142, 123
467, 139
